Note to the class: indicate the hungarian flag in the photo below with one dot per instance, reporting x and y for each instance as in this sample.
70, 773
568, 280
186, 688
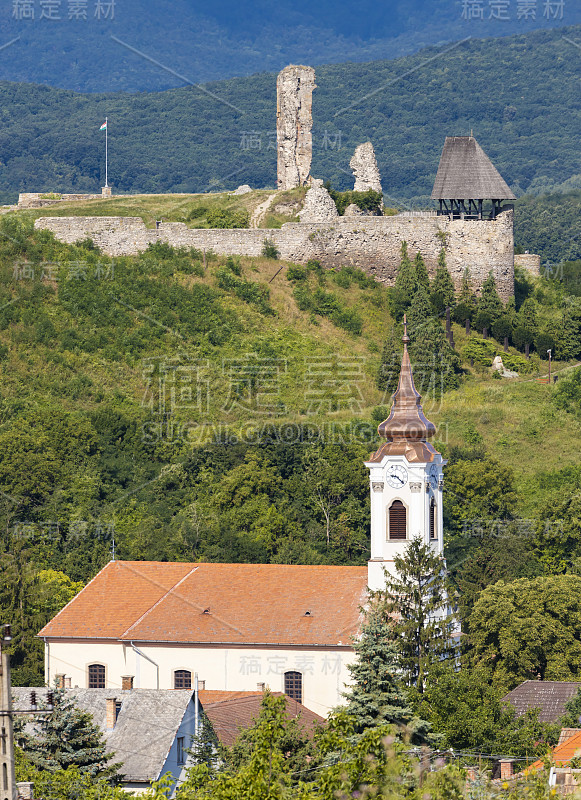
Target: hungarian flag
103, 127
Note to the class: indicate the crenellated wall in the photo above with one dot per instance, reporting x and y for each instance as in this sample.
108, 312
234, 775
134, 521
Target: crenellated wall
370, 243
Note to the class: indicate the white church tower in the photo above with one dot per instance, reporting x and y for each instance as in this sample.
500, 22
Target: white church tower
406, 480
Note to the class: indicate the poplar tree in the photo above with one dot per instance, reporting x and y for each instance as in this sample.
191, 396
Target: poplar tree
389, 368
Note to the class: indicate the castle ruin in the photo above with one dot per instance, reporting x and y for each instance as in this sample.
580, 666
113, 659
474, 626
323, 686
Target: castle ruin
294, 125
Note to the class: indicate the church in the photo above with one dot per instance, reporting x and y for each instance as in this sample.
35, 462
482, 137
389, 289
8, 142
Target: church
245, 627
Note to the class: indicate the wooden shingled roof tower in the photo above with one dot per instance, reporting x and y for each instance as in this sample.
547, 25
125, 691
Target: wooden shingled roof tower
466, 178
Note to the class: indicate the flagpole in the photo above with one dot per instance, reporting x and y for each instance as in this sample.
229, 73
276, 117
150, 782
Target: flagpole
106, 153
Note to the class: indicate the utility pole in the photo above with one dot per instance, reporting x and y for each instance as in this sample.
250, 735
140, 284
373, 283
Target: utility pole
549, 352
8, 787
8, 790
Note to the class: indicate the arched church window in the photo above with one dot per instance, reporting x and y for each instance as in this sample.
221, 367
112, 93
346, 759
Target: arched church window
433, 532
293, 685
182, 679
397, 521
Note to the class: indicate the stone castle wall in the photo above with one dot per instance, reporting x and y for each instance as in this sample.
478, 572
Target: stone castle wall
369, 243
37, 200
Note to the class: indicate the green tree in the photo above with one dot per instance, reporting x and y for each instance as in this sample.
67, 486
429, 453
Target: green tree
443, 293
528, 629
419, 312
68, 738
489, 300
436, 365
376, 696
568, 343
572, 717
418, 597
469, 714
567, 394
389, 368
557, 541
406, 284
422, 276
478, 490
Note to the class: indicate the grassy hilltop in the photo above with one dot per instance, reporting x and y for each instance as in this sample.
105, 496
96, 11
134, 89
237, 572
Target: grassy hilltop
223, 411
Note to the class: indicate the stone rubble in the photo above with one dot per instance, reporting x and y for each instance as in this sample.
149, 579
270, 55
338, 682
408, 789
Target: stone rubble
319, 205
294, 125
244, 189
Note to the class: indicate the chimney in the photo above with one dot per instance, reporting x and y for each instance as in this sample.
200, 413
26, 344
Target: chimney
127, 683
60, 680
506, 772
111, 712
67, 683
201, 685
261, 686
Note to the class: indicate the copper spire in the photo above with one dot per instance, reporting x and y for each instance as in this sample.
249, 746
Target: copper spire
406, 421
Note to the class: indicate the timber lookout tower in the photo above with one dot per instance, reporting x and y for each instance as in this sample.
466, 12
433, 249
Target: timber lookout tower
466, 178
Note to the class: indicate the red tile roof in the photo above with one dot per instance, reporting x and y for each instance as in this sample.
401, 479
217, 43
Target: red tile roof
279, 604
563, 753
230, 717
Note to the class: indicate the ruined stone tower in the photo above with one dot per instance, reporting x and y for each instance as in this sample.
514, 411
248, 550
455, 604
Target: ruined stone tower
294, 125
365, 169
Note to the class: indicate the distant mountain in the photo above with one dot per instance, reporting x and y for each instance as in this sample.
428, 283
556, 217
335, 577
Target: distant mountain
202, 40
519, 95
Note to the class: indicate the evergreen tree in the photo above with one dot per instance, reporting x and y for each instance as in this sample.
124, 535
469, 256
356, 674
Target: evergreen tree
68, 737
568, 343
489, 301
406, 280
418, 598
420, 311
204, 747
422, 276
389, 368
406, 284
443, 294
437, 367
376, 696
466, 305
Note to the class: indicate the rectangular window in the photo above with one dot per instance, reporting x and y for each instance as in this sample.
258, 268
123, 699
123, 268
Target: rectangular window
181, 751
293, 685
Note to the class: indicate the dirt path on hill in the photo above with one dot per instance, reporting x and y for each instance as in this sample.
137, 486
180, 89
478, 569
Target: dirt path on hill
260, 211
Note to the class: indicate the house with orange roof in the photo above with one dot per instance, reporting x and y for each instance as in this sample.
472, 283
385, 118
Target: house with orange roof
244, 627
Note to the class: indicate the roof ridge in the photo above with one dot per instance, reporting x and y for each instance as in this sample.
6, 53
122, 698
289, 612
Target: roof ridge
161, 599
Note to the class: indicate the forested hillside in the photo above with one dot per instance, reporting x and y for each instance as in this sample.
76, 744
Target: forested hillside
518, 95
205, 40
158, 407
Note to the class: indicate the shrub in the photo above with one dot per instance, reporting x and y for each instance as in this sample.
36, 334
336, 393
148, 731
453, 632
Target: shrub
228, 218
233, 265
517, 363
269, 249
568, 391
252, 293
297, 273
366, 201
348, 319
543, 342
481, 350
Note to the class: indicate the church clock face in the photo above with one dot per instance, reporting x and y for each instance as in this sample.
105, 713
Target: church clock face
397, 476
